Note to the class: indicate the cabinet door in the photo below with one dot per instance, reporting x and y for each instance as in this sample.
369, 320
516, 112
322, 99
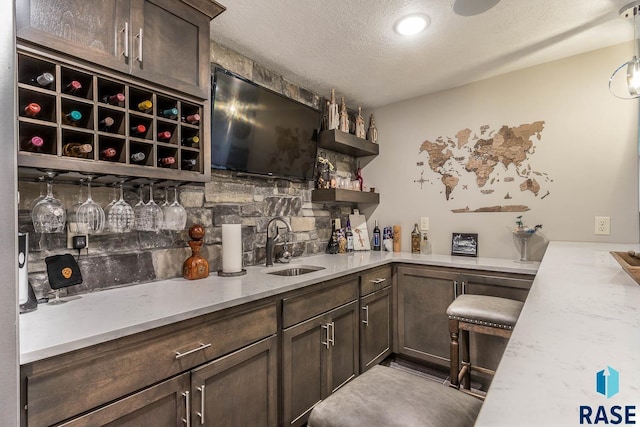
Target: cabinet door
304, 357
486, 350
170, 45
423, 297
343, 351
161, 405
375, 328
93, 30
239, 389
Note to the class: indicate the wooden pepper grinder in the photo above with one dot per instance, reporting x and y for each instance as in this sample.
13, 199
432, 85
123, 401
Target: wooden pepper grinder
195, 267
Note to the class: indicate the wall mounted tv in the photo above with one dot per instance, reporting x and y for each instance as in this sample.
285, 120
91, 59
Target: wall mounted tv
258, 131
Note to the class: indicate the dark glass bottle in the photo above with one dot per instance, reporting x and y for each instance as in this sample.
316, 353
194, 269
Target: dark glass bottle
349, 236
191, 119
145, 106
32, 109
164, 136
166, 162
106, 123
73, 87
192, 141
188, 164
138, 130
116, 99
332, 244
33, 144
108, 153
138, 157
170, 113
76, 149
415, 240
72, 118
376, 237
44, 79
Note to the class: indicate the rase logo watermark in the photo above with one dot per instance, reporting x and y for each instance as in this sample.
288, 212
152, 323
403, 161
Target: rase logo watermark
608, 384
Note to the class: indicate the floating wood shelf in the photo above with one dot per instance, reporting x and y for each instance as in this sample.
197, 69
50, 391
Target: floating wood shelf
346, 143
340, 195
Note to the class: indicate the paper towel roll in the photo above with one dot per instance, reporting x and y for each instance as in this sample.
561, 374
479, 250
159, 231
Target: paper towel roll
231, 248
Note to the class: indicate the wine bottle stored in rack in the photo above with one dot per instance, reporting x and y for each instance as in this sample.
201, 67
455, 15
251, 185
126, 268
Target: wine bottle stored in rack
76, 149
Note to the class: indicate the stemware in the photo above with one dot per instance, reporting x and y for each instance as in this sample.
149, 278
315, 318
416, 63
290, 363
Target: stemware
49, 215
43, 188
107, 209
138, 210
121, 217
90, 214
175, 216
150, 215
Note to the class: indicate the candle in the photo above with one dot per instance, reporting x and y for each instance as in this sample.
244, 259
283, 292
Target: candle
231, 248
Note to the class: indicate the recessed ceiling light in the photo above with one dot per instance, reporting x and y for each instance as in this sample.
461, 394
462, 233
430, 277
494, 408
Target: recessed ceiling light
412, 24
473, 7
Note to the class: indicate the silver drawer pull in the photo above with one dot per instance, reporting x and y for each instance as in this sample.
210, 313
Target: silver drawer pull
139, 37
186, 353
333, 334
201, 413
366, 315
328, 341
378, 280
125, 30
187, 404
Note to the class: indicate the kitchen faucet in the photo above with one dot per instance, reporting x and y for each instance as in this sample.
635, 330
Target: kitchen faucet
271, 241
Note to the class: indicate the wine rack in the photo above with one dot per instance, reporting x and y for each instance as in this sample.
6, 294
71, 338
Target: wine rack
133, 130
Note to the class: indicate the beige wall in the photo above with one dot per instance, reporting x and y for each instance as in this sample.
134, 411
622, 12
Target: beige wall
588, 148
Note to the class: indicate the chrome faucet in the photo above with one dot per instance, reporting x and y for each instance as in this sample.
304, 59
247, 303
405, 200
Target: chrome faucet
271, 241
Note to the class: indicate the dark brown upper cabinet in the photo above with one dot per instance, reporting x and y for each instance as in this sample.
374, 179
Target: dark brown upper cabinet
165, 42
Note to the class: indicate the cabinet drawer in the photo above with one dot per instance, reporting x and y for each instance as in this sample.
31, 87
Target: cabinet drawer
66, 385
374, 280
331, 295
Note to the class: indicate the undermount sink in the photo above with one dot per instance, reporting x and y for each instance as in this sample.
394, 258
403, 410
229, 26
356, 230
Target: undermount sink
295, 271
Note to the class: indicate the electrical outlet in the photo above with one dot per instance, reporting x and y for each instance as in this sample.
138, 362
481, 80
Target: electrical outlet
603, 225
424, 223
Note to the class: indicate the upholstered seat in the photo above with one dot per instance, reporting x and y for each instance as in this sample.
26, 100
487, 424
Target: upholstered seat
480, 314
388, 397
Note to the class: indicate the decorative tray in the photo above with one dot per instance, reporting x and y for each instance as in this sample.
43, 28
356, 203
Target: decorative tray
629, 263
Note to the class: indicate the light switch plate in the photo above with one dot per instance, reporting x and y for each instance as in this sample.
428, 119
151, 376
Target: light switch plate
603, 225
424, 223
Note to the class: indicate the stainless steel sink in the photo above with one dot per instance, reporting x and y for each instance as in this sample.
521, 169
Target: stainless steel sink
295, 271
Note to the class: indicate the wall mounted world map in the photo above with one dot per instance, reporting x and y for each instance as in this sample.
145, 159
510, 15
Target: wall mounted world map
493, 159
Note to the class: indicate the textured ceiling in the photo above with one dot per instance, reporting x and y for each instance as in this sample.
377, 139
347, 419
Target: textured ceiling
350, 44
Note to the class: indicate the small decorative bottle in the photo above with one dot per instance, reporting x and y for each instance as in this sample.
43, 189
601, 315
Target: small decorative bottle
344, 117
360, 133
415, 240
425, 243
333, 120
372, 132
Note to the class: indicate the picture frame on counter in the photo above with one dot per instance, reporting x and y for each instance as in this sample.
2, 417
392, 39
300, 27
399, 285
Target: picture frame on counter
464, 244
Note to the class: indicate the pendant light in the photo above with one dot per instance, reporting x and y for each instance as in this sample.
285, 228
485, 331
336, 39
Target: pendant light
632, 66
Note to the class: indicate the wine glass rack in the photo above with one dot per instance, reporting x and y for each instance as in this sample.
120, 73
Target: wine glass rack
108, 113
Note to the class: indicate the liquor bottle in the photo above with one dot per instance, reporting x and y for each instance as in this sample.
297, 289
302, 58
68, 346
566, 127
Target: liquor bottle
376, 237
170, 113
188, 164
415, 240
190, 142
76, 149
164, 136
425, 243
138, 130
72, 118
192, 119
108, 153
73, 87
349, 236
34, 144
332, 244
44, 79
138, 157
32, 109
145, 106
166, 162
106, 123
114, 99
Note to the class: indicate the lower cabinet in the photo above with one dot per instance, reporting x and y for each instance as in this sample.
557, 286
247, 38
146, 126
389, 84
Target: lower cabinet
423, 295
318, 356
375, 328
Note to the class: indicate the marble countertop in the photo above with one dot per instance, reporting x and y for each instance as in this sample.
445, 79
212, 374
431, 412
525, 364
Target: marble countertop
581, 316
98, 317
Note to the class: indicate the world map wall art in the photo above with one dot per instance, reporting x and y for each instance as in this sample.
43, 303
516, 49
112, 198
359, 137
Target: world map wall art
487, 162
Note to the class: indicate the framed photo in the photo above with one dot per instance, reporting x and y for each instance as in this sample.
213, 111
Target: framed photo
464, 244
360, 233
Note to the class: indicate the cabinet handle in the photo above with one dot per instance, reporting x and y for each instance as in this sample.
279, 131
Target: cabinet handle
139, 37
327, 340
193, 350
187, 405
333, 334
201, 413
455, 289
378, 280
464, 287
125, 30
366, 318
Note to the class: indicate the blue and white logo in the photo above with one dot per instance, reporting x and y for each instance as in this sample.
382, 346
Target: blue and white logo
608, 382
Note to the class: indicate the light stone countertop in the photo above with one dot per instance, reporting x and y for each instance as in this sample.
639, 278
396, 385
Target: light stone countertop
582, 315
98, 317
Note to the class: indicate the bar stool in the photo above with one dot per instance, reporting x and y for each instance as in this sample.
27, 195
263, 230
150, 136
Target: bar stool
481, 314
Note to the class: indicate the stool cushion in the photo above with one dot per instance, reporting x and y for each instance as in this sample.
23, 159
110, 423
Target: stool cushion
388, 397
485, 310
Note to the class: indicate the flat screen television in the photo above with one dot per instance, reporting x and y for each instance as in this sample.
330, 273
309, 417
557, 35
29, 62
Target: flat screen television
258, 131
